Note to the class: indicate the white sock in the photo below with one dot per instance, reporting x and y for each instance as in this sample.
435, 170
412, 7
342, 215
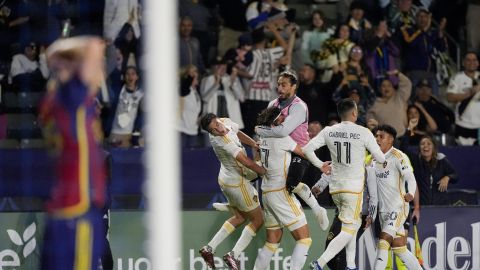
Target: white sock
265, 255
247, 235
303, 191
226, 229
407, 258
337, 244
350, 251
300, 253
383, 248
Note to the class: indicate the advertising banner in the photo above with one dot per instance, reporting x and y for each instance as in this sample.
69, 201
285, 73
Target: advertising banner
449, 238
21, 236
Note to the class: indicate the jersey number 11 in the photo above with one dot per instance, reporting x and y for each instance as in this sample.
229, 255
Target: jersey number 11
347, 146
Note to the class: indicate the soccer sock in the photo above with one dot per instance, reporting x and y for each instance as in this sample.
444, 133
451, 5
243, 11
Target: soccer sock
247, 235
390, 261
226, 229
265, 255
300, 253
382, 254
407, 257
337, 244
350, 251
303, 191
399, 264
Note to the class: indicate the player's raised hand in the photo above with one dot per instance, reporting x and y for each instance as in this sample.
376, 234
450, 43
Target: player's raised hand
408, 197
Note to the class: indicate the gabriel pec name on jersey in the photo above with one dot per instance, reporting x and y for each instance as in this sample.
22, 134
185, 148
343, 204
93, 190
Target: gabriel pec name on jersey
344, 135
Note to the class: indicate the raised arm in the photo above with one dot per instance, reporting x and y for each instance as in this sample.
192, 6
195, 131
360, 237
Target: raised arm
208, 87
245, 139
86, 52
404, 87
297, 115
281, 41
432, 125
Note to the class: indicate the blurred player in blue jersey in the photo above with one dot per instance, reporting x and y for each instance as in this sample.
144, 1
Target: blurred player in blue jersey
74, 231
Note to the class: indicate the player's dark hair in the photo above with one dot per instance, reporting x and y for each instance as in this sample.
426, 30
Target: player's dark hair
344, 106
268, 116
290, 74
206, 120
386, 128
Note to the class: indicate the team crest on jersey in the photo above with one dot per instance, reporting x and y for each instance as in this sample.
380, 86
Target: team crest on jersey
382, 174
330, 236
255, 198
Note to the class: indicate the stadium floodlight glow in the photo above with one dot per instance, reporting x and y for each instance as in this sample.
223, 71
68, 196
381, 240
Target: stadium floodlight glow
163, 182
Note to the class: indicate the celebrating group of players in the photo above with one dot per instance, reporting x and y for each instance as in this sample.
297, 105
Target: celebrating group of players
282, 155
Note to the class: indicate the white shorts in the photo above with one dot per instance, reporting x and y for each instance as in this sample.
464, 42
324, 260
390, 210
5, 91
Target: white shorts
282, 209
244, 196
349, 207
392, 222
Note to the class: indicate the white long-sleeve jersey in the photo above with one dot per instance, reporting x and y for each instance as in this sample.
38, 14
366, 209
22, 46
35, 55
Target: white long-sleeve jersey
391, 181
276, 156
227, 148
348, 144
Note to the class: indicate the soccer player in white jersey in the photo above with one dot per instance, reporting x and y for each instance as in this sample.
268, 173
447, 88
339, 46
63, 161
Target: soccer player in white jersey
282, 209
369, 211
348, 143
233, 178
393, 199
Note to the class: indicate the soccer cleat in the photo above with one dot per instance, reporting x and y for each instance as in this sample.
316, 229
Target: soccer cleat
207, 254
223, 207
314, 266
351, 268
322, 218
232, 263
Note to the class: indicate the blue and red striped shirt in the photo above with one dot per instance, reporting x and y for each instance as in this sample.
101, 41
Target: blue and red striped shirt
80, 167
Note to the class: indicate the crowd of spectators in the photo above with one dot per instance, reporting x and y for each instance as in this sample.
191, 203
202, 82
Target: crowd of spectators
389, 57
28, 27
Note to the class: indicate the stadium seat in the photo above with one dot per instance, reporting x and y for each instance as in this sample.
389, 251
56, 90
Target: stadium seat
32, 143
29, 100
302, 13
22, 121
444, 139
9, 144
11, 102
22, 126
459, 197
